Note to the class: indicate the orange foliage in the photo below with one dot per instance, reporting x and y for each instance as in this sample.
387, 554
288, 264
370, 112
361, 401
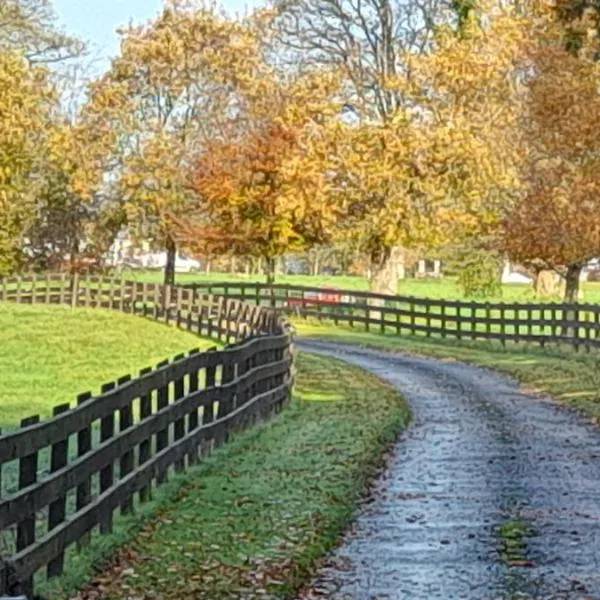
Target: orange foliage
263, 191
556, 222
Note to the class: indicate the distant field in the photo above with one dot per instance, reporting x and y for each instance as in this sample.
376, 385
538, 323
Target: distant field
423, 288
49, 354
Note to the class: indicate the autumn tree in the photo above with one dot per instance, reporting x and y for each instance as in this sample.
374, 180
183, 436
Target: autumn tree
555, 224
162, 97
72, 231
27, 99
444, 163
264, 191
367, 43
29, 27
415, 75
30, 44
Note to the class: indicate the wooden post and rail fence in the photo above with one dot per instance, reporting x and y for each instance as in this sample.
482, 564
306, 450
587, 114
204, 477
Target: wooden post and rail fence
575, 325
63, 479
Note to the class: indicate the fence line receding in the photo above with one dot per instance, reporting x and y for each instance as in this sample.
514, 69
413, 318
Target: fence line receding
62, 479
577, 325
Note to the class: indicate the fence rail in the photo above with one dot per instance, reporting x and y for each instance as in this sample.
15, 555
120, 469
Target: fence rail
62, 479
577, 325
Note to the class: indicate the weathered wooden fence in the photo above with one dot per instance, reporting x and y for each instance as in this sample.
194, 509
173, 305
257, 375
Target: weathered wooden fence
577, 325
64, 478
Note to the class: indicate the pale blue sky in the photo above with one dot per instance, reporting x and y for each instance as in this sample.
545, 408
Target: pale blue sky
95, 21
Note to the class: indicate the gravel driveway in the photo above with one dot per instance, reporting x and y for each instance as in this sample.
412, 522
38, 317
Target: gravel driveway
490, 494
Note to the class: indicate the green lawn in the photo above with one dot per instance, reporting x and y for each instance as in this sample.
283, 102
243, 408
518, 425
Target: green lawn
445, 288
571, 378
261, 510
49, 354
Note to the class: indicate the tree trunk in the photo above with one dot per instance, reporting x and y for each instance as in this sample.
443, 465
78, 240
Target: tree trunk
345, 260
232, 264
384, 275
572, 283
571, 297
547, 283
314, 265
270, 268
171, 256
384, 270
73, 256
207, 266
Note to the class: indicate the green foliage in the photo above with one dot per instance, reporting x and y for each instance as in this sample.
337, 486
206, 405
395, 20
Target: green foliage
479, 277
479, 269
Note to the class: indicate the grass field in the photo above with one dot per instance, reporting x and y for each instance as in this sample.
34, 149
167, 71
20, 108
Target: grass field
445, 288
49, 354
571, 378
260, 511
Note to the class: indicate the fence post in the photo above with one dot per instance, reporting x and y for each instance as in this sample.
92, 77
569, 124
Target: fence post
19, 289
33, 288
126, 460
162, 437
57, 510
145, 446
107, 430
179, 425
167, 299
84, 490
28, 466
208, 413
74, 289
48, 285
193, 421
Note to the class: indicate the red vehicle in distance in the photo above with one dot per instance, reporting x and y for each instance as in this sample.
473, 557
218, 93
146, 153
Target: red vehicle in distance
327, 297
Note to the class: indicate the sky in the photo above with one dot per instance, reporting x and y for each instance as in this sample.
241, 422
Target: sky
95, 21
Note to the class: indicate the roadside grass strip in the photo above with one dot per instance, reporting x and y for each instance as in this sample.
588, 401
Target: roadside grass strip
571, 378
252, 520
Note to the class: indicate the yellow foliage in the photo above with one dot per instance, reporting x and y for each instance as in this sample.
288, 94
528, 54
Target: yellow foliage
446, 161
26, 101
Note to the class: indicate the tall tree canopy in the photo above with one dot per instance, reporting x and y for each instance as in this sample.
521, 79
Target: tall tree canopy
367, 43
163, 97
27, 100
29, 27
429, 88
264, 191
444, 163
555, 224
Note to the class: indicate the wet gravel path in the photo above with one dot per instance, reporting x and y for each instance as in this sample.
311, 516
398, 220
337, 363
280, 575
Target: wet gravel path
490, 494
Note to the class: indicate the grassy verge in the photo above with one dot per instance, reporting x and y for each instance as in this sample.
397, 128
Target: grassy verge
251, 520
49, 354
569, 377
